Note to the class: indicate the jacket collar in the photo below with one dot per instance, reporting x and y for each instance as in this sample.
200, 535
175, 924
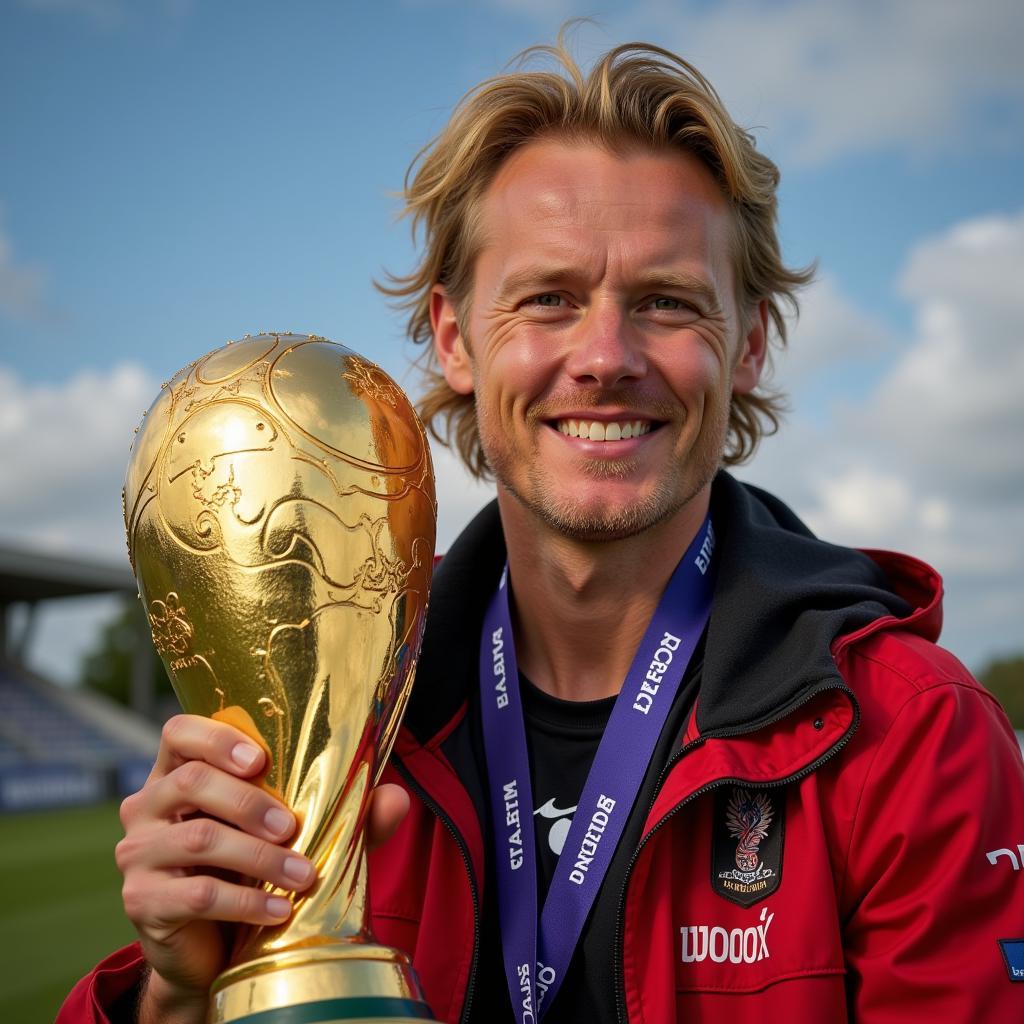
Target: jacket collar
782, 599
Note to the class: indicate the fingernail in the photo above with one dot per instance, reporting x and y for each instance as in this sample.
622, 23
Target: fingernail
297, 869
245, 755
278, 907
279, 822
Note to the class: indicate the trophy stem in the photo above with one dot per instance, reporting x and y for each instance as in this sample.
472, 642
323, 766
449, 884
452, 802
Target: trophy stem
357, 983
335, 910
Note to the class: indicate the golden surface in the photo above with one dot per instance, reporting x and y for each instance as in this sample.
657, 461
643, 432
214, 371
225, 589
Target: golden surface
308, 975
280, 515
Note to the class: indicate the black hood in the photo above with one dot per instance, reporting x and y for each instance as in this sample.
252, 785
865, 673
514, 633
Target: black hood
781, 597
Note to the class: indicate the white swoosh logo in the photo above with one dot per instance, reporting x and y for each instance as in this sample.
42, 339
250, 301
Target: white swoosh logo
549, 810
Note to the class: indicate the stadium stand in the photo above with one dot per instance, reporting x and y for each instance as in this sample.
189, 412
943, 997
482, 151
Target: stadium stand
61, 746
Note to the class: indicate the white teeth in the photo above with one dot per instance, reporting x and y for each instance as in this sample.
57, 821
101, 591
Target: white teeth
596, 430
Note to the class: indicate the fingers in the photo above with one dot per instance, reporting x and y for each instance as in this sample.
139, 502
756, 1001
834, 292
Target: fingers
388, 808
203, 813
208, 767
200, 787
194, 738
201, 842
159, 910
201, 816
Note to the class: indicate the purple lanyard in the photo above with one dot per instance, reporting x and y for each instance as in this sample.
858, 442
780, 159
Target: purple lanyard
536, 959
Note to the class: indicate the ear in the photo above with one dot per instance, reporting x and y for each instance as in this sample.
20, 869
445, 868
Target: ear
753, 352
448, 342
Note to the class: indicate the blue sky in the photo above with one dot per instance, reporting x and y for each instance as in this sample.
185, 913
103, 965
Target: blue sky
174, 174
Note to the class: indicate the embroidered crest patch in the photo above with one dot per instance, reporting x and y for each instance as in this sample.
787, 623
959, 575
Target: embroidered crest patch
746, 853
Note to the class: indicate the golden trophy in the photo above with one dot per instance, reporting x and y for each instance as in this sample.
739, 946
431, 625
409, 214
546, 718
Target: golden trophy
280, 515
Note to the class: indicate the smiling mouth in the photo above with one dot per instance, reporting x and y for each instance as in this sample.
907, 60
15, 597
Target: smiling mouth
599, 430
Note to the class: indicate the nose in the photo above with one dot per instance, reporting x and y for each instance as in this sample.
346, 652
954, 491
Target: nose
606, 349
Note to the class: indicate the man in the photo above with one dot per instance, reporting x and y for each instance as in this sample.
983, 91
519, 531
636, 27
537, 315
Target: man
680, 760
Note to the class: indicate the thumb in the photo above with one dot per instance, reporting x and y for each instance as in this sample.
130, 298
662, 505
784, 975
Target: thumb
388, 808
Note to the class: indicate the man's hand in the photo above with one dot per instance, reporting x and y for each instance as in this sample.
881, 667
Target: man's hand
200, 820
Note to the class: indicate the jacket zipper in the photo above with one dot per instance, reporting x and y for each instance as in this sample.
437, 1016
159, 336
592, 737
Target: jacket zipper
618, 965
464, 850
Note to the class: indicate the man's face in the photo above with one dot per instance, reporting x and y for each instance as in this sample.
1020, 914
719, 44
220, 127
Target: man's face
603, 339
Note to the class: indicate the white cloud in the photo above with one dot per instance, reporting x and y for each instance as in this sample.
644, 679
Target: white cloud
833, 77
67, 449
831, 333
864, 502
955, 395
932, 461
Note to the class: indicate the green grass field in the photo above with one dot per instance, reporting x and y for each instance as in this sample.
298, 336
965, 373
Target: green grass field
61, 907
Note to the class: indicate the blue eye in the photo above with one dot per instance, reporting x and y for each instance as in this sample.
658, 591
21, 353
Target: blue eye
548, 299
663, 302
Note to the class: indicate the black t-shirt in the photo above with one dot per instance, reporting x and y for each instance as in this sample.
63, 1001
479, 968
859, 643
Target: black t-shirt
562, 738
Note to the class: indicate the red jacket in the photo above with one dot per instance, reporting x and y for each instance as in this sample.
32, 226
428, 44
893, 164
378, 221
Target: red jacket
889, 786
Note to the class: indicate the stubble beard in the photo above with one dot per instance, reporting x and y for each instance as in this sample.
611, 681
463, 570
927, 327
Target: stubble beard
597, 525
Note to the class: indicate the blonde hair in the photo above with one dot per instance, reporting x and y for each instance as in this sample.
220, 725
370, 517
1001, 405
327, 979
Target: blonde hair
636, 94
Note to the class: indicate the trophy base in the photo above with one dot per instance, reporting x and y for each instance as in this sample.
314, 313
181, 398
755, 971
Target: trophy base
333, 984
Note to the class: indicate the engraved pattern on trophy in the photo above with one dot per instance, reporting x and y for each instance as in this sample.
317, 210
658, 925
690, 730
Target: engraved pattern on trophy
172, 631
365, 378
280, 518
